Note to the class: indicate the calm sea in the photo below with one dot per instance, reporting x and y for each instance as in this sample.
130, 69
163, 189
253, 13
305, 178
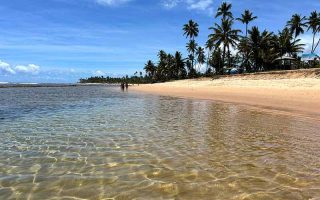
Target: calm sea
98, 142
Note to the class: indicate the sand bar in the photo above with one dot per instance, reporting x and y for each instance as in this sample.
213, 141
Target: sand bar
295, 91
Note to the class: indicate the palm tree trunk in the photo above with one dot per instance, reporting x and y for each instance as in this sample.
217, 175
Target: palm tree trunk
246, 30
229, 58
246, 53
223, 57
316, 46
247, 62
193, 58
192, 61
208, 60
255, 61
314, 35
195, 64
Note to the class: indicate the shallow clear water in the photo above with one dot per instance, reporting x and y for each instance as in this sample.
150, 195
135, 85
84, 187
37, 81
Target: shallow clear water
100, 143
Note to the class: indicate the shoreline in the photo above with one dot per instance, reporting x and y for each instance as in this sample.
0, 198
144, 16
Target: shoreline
53, 85
300, 96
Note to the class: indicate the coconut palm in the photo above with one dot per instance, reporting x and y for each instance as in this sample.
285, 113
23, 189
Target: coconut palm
224, 35
191, 29
216, 60
209, 46
258, 42
225, 11
150, 69
162, 64
244, 50
314, 25
191, 71
191, 48
285, 44
180, 71
201, 58
296, 25
246, 18
170, 71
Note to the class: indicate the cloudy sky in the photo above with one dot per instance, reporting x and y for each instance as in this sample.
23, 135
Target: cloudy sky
63, 40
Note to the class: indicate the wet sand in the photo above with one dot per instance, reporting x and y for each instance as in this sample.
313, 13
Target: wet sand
295, 92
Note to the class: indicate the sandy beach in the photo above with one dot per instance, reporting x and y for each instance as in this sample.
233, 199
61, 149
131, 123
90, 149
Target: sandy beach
294, 91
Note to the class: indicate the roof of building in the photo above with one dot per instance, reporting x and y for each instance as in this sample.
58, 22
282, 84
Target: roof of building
309, 56
285, 58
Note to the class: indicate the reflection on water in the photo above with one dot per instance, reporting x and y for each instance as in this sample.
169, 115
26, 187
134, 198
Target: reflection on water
100, 143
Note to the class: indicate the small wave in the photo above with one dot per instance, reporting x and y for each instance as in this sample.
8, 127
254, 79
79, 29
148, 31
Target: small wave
28, 83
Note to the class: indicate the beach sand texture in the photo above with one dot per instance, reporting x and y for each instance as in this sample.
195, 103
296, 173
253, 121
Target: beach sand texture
295, 91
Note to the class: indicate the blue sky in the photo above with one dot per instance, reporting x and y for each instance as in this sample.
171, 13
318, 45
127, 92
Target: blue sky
63, 40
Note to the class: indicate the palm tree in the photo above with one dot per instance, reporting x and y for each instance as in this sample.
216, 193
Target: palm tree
216, 61
244, 50
296, 25
224, 35
254, 45
209, 47
150, 69
162, 64
170, 70
314, 25
200, 56
191, 30
191, 72
285, 44
180, 70
225, 11
258, 42
191, 48
246, 18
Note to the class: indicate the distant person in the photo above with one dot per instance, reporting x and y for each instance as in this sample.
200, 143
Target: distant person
122, 86
127, 85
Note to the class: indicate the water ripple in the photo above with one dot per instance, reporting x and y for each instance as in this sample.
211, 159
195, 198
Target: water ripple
100, 143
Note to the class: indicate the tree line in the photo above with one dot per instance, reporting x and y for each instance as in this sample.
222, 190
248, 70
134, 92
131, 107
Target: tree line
137, 78
228, 48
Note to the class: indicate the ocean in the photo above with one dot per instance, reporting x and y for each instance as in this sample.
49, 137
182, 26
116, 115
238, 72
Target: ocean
98, 142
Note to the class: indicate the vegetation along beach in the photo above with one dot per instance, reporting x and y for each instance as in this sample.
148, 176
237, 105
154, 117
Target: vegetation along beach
163, 99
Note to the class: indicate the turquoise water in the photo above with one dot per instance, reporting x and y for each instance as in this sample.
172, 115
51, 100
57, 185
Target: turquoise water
101, 143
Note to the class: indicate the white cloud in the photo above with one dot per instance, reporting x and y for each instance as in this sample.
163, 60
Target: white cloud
111, 2
170, 3
5, 68
99, 73
200, 5
31, 68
